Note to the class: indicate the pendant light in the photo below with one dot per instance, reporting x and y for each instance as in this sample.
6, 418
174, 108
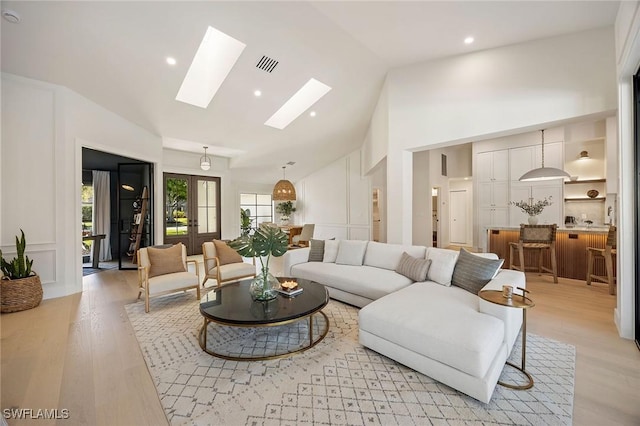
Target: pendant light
205, 162
543, 173
284, 190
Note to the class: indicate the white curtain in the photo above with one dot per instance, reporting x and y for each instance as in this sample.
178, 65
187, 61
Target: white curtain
102, 211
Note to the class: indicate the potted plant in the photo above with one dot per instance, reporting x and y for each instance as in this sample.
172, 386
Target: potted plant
245, 222
285, 209
20, 286
533, 209
265, 242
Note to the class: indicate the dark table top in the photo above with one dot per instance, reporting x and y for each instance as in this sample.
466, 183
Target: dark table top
232, 304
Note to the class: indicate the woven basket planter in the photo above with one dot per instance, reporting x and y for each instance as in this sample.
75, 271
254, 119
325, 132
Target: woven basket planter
21, 294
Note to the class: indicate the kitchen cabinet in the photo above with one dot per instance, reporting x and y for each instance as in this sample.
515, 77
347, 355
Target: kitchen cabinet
523, 159
493, 166
493, 194
525, 191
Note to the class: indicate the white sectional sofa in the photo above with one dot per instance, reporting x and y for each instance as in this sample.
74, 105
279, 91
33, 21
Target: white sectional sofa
433, 327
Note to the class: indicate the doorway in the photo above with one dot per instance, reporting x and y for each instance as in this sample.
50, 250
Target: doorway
435, 216
112, 224
375, 213
192, 210
458, 220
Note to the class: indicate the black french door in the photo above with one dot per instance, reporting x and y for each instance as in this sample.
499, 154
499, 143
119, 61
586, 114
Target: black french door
191, 210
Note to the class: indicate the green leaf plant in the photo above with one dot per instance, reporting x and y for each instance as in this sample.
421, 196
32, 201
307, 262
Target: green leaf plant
18, 267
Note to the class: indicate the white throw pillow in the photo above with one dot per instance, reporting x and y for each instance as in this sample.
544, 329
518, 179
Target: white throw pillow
443, 262
351, 252
330, 251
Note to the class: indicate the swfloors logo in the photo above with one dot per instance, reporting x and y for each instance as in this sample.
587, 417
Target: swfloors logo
37, 413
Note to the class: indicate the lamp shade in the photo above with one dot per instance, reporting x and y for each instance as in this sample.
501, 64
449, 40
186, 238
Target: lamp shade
544, 173
205, 161
284, 191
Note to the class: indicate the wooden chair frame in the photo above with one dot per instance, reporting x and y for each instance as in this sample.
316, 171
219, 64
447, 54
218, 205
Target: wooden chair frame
217, 276
143, 283
608, 252
525, 242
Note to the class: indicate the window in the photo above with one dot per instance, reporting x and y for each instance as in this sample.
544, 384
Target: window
259, 206
87, 209
87, 217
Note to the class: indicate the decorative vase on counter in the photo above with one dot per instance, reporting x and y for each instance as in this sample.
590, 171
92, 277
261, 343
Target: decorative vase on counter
533, 220
264, 286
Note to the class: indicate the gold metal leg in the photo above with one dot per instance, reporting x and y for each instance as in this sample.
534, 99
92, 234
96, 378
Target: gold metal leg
522, 369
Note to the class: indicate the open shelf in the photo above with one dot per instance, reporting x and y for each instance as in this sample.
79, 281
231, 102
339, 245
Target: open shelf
585, 199
573, 182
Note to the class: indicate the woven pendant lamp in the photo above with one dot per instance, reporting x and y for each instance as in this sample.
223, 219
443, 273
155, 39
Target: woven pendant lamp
284, 190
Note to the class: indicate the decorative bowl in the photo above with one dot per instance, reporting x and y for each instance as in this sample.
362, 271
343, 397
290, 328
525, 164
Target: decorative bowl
573, 178
592, 193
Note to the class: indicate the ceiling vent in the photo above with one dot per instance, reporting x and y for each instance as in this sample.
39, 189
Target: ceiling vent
266, 64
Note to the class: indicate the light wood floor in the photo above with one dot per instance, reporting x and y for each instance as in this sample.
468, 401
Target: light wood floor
79, 352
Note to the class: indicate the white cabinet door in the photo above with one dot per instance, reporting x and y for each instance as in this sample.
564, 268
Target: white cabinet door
493, 166
500, 194
552, 213
484, 163
485, 197
521, 161
500, 165
553, 155
537, 191
500, 216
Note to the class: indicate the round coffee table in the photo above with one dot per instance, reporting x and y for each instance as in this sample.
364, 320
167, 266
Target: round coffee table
232, 306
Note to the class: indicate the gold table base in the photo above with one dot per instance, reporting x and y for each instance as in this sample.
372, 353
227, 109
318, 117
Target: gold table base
202, 338
528, 385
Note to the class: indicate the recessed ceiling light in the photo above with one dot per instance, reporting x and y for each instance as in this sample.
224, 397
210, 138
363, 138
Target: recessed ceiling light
213, 61
171, 61
469, 40
308, 95
257, 93
312, 113
10, 16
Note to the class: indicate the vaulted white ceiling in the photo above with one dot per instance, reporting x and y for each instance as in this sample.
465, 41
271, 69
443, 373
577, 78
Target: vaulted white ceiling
114, 54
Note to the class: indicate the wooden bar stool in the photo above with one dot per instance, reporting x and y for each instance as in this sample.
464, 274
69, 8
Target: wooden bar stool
607, 252
535, 237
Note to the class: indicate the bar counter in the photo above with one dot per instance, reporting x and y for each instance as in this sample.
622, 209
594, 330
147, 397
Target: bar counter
571, 249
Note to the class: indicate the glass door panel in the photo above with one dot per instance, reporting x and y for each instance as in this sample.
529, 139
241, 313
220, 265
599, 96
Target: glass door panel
176, 209
192, 210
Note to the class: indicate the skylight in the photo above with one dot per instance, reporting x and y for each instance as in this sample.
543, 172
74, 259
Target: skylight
308, 95
212, 63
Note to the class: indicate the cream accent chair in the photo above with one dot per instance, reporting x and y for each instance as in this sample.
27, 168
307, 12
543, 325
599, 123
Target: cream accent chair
224, 273
167, 283
305, 236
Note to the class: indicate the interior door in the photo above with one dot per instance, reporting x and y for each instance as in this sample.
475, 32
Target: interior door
191, 210
458, 215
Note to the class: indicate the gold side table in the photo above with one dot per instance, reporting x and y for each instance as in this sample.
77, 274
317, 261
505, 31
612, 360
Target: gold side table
516, 301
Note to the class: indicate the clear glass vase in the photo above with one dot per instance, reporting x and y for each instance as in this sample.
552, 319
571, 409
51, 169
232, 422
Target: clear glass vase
264, 286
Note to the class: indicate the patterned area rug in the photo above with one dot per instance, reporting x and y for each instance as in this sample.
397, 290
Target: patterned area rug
338, 382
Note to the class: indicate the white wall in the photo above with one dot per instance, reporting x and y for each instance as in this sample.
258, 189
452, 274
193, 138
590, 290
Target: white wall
188, 163
378, 178
374, 148
45, 127
627, 35
337, 199
493, 93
